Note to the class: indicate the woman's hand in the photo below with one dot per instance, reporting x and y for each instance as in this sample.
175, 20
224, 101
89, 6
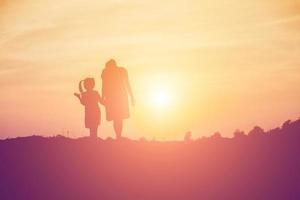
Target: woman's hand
132, 99
102, 101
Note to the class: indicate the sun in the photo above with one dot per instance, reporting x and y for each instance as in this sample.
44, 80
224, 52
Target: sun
161, 99
163, 112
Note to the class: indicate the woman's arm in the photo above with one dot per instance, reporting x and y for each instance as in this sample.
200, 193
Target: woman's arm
103, 92
129, 89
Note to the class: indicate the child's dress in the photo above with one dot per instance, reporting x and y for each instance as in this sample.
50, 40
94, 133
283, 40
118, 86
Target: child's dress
90, 100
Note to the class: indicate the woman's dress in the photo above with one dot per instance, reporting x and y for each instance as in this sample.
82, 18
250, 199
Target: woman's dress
114, 87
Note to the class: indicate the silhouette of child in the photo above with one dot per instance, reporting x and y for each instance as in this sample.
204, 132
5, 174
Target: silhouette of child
90, 99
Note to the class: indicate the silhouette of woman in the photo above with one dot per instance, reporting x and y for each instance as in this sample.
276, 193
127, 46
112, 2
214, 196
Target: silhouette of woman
115, 90
90, 99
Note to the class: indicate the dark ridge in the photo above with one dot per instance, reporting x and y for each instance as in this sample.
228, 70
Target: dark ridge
259, 165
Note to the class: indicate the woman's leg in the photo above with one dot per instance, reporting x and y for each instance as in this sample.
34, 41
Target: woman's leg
118, 126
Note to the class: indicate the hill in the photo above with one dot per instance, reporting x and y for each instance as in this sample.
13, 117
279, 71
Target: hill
261, 165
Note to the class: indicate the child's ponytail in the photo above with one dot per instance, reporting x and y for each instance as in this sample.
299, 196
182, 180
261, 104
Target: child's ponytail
80, 86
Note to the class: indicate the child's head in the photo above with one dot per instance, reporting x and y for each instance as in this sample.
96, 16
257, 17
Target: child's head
89, 83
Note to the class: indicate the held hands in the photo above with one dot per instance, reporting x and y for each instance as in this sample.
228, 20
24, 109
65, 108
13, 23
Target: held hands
102, 101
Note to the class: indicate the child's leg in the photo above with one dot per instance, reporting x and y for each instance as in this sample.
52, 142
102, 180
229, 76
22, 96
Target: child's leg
93, 132
96, 132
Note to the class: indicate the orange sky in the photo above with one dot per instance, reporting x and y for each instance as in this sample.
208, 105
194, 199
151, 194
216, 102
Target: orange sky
226, 65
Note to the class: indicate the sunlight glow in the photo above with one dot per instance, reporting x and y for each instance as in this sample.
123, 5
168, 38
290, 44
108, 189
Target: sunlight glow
161, 99
193, 65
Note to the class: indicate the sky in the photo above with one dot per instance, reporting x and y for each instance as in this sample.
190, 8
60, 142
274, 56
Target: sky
220, 66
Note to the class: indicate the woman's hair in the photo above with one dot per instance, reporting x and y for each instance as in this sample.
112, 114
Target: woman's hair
111, 63
89, 83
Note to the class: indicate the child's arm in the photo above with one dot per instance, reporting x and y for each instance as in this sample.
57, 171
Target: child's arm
79, 96
100, 99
